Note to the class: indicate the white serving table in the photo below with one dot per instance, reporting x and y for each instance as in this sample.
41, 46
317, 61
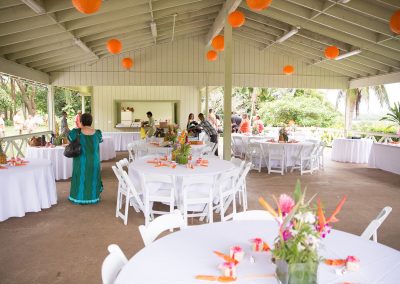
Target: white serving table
351, 150
178, 257
28, 188
122, 139
385, 157
62, 166
107, 149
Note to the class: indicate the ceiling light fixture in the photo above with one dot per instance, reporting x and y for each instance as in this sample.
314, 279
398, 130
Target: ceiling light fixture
34, 6
289, 34
348, 54
153, 27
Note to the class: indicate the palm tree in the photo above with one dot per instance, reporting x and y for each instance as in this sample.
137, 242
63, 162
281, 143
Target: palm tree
393, 115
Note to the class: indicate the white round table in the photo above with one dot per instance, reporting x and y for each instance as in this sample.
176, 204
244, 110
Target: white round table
351, 150
28, 188
62, 166
179, 257
122, 139
107, 149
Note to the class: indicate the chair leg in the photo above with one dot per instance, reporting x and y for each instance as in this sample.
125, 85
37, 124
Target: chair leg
210, 211
118, 201
126, 209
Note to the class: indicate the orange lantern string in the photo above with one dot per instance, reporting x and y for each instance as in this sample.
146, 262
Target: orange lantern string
258, 5
236, 19
127, 63
87, 6
288, 69
114, 46
395, 22
218, 43
212, 55
331, 52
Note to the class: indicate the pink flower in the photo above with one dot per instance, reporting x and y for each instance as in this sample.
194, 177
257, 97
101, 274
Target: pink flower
286, 203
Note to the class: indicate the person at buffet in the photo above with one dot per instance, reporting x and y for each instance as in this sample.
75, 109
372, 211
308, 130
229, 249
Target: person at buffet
245, 124
151, 125
209, 130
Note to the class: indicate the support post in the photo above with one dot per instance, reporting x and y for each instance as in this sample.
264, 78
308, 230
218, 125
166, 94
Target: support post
228, 92
83, 103
207, 98
50, 108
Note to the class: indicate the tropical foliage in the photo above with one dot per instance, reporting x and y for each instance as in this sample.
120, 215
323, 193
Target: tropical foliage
393, 115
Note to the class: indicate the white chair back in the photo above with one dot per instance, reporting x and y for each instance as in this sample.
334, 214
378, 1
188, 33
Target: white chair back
372, 229
238, 146
160, 224
227, 188
112, 264
122, 163
253, 215
133, 192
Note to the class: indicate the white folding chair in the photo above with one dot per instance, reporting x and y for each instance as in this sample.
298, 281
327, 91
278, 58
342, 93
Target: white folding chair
210, 148
372, 229
320, 155
253, 215
126, 189
307, 159
160, 224
122, 163
254, 155
198, 193
276, 153
227, 189
136, 150
241, 184
131, 151
157, 188
112, 264
238, 146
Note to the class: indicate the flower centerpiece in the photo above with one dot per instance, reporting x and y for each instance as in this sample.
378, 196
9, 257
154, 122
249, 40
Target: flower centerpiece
254, 129
283, 134
183, 150
172, 134
302, 225
3, 156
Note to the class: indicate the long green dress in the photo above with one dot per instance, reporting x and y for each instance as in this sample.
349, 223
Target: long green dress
86, 184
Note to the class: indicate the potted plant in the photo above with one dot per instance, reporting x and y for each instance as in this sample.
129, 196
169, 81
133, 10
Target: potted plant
302, 227
283, 134
183, 150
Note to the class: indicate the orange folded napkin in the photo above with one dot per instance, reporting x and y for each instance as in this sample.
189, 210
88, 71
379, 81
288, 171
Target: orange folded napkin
3, 168
152, 162
216, 278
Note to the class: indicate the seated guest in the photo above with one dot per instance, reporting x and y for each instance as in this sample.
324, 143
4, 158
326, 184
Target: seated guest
245, 125
210, 131
258, 124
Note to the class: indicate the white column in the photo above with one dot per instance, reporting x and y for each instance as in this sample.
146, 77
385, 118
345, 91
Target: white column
228, 91
83, 103
207, 98
50, 108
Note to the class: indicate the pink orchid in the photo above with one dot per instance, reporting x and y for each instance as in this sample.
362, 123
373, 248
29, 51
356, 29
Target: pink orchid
286, 203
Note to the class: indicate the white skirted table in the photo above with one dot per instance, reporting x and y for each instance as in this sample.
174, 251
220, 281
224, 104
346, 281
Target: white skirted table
385, 157
27, 188
62, 166
179, 257
122, 139
107, 149
351, 150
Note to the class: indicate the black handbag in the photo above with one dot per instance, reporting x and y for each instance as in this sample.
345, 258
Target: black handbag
73, 149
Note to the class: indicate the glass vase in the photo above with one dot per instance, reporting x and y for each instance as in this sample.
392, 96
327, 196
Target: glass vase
297, 273
182, 159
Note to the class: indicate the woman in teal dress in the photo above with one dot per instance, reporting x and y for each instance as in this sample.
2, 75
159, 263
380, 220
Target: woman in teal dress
86, 184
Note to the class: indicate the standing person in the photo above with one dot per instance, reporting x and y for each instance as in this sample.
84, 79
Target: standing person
212, 119
237, 119
64, 125
30, 124
245, 124
211, 132
219, 123
259, 124
77, 119
150, 124
2, 126
86, 184
18, 121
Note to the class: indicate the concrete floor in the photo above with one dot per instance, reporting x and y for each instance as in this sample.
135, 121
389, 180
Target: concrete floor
67, 243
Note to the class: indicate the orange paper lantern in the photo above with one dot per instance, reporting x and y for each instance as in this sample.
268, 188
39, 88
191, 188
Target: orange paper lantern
114, 46
212, 55
127, 63
331, 52
258, 5
236, 19
395, 22
288, 69
87, 6
218, 43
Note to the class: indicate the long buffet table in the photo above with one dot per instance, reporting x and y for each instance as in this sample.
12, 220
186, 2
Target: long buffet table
385, 157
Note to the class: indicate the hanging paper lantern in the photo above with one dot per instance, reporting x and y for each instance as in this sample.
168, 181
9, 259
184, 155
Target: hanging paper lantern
87, 6
331, 52
236, 19
212, 55
127, 63
288, 69
395, 22
258, 5
218, 43
114, 46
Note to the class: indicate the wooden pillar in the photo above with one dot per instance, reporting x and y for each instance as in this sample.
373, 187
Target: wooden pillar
50, 108
228, 92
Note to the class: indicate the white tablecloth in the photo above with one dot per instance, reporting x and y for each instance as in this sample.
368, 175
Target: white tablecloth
178, 257
62, 166
351, 150
28, 188
107, 149
385, 157
154, 149
122, 139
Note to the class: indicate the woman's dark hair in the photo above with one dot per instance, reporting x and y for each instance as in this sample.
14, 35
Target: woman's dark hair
217, 116
149, 113
86, 119
190, 115
63, 113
